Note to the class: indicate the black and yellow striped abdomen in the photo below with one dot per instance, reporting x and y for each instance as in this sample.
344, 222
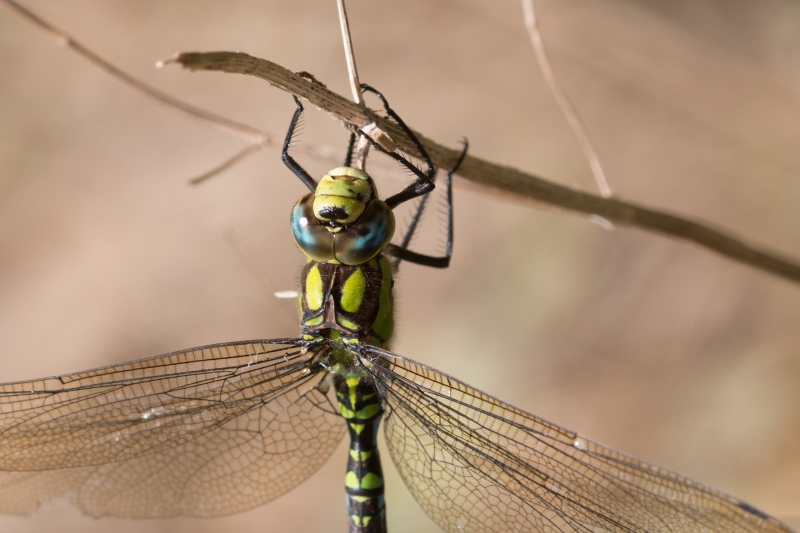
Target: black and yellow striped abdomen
355, 300
360, 406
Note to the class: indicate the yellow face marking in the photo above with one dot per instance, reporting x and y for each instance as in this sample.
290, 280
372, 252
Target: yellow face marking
371, 481
314, 288
352, 207
353, 291
348, 171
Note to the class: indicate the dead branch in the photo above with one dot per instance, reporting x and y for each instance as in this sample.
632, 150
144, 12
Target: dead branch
497, 176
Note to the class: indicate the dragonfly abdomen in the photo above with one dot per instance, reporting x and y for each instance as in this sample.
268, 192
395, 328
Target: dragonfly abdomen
360, 406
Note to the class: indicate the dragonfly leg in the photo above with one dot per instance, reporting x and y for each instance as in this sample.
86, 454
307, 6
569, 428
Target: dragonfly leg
288, 160
401, 252
424, 182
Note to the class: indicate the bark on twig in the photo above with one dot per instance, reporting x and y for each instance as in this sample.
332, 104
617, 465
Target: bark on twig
498, 176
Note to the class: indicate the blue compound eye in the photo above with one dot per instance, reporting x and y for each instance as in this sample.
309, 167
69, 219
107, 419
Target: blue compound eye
365, 239
312, 237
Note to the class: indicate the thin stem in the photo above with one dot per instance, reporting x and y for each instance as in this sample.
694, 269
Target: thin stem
362, 148
571, 114
64, 39
352, 71
225, 165
362, 151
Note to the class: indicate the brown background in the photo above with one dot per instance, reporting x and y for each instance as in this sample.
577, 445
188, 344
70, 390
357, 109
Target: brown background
652, 346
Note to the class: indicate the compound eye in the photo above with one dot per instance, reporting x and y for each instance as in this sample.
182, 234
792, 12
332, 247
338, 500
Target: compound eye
312, 237
365, 239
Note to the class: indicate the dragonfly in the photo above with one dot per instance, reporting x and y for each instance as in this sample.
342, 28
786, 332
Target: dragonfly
223, 428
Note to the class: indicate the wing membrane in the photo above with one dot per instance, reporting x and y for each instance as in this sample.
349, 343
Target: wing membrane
477, 464
202, 432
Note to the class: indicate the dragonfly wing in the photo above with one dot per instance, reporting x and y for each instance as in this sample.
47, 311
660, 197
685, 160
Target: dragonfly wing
477, 464
202, 432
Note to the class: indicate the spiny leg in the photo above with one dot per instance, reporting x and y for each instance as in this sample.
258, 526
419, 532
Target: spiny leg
430, 171
288, 160
402, 253
424, 182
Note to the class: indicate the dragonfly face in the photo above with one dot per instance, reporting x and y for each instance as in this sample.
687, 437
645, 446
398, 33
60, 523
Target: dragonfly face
342, 221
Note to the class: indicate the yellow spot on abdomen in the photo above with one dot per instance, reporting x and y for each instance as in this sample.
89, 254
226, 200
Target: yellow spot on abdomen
371, 481
351, 480
369, 411
353, 291
314, 288
360, 456
347, 414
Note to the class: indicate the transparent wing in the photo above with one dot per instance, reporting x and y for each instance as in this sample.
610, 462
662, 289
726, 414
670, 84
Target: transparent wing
203, 432
477, 464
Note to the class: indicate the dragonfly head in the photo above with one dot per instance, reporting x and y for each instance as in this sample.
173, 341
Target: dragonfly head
342, 220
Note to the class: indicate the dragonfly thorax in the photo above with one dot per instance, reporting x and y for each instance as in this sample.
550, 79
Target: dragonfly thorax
342, 221
347, 303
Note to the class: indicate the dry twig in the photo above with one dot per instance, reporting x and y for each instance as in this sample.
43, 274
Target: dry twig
497, 176
362, 149
571, 114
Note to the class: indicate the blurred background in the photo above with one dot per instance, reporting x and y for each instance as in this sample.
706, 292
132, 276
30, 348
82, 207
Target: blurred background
652, 346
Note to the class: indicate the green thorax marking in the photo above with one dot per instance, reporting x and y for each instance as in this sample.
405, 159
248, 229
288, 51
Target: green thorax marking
354, 300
